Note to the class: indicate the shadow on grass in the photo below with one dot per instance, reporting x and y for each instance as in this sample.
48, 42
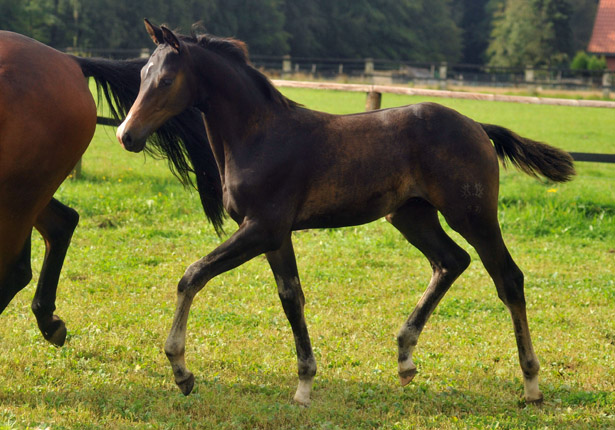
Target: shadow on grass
335, 404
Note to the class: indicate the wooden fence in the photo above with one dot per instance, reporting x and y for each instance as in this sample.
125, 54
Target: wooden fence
374, 98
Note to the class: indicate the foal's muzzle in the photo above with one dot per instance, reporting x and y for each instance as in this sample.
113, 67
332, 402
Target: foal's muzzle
129, 139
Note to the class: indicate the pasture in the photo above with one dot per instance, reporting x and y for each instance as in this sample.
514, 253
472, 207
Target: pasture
140, 229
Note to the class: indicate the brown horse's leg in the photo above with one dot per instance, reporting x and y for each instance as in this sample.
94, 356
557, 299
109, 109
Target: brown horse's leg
56, 224
284, 269
483, 232
418, 221
18, 276
250, 240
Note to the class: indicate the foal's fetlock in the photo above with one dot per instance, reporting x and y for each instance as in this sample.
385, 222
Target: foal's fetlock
307, 371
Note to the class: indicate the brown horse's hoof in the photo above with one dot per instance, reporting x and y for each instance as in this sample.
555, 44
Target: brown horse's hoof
407, 376
187, 384
55, 331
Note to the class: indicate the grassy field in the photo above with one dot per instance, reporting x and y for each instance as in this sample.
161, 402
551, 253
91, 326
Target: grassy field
140, 229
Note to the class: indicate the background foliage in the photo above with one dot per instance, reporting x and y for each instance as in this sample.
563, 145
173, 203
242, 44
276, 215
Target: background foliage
504, 32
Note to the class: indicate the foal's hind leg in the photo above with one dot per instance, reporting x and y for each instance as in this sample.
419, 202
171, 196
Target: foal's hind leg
56, 224
483, 232
418, 221
284, 269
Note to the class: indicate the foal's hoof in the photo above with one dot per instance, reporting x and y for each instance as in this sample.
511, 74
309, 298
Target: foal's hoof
304, 402
55, 331
407, 376
535, 402
187, 384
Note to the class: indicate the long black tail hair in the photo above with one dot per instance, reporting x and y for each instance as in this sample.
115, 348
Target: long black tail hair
532, 157
182, 140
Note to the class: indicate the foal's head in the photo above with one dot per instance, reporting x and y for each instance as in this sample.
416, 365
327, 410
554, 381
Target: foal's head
167, 89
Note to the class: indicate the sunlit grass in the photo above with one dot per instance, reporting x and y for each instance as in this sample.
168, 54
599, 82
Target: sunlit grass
140, 229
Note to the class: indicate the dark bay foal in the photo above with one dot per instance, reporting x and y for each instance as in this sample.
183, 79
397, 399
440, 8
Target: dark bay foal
284, 168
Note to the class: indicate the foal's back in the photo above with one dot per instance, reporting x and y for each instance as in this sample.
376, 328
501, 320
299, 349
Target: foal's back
365, 166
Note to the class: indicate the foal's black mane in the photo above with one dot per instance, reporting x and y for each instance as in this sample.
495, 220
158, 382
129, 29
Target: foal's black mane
182, 140
236, 51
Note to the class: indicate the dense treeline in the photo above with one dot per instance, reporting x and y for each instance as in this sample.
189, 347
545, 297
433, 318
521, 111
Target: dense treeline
499, 32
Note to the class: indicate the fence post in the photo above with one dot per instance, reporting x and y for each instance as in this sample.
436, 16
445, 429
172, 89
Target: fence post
287, 66
529, 77
443, 71
369, 69
606, 84
373, 100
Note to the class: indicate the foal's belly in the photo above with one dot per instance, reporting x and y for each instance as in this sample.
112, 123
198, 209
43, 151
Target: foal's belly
352, 207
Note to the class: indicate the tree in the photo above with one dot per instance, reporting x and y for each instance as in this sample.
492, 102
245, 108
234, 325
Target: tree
390, 29
258, 23
393, 29
306, 24
582, 23
474, 20
12, 16
531, 32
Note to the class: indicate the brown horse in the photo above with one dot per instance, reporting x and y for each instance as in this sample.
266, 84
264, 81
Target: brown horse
284, 168
47, 119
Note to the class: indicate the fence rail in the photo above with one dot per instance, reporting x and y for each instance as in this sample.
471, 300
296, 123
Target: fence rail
374, 97
439, 74
391, 89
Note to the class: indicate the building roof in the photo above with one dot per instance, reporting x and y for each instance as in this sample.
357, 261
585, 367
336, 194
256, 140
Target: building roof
603, 35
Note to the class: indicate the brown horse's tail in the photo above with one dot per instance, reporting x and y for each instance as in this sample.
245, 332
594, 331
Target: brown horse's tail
182, 140
532, 157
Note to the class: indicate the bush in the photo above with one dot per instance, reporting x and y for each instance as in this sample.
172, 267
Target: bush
580, 61
596, 63
584, 61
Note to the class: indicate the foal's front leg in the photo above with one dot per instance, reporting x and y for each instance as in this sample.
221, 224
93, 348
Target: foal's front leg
284, 269
249, 241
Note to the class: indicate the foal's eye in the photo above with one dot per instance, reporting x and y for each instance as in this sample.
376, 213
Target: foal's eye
166, 82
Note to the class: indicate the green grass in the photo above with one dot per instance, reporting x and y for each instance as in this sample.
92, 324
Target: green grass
140, 229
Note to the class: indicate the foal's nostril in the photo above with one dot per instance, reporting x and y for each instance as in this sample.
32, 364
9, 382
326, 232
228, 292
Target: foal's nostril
126, 139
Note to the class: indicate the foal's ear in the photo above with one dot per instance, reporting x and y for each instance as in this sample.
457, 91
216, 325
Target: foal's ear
154, 32
170, 38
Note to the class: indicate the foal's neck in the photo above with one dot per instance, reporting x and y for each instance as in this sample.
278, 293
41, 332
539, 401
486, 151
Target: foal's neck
236, 109
236, 103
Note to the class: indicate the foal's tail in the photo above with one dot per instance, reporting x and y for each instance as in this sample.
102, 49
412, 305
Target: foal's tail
532, 157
